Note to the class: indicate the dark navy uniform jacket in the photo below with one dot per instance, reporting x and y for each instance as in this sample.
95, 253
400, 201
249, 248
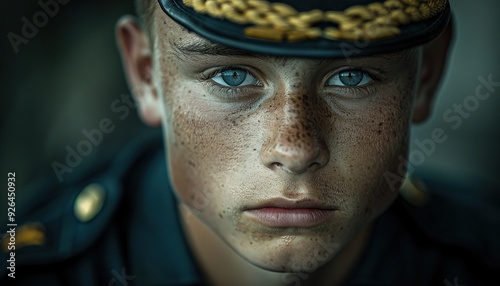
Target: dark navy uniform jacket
135, 237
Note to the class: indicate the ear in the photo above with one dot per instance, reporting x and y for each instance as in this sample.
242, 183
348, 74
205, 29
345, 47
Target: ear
135, 50
434, 59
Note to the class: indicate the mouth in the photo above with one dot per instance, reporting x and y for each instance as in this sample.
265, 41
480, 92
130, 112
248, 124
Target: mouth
282, 213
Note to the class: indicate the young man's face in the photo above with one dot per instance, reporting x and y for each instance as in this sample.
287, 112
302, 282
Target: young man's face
283, 158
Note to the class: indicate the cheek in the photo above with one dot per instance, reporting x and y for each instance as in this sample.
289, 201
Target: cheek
186, 136
193, 148
206, 150
369, 141
209, 147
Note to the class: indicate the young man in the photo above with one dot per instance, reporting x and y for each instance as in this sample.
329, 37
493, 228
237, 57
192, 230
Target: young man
285, 130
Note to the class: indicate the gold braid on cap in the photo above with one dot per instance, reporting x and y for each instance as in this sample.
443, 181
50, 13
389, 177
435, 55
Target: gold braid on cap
281, 22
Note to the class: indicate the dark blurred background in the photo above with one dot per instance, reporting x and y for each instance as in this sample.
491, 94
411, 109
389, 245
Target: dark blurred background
59, 83
67, 75
472, 150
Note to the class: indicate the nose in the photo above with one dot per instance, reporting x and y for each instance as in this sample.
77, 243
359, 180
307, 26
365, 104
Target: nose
295, 143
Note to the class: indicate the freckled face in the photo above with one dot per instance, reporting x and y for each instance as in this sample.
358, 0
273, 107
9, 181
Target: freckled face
241, 131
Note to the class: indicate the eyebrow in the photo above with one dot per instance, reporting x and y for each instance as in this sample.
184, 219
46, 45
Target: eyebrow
206, 48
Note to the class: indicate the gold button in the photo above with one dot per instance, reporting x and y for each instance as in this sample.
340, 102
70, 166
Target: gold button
89, 202
414, 191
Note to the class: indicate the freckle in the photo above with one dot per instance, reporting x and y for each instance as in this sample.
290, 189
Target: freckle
220, 215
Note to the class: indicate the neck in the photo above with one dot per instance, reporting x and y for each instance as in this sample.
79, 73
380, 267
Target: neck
223, 266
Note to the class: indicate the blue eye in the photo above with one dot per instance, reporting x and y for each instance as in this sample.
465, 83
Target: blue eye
234, 78
349, 78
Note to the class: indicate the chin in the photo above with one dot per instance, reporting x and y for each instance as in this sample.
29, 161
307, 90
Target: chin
291, 253
305, 264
